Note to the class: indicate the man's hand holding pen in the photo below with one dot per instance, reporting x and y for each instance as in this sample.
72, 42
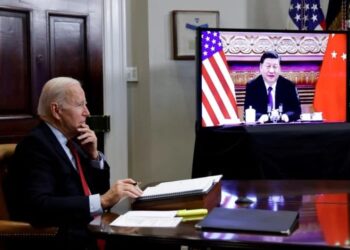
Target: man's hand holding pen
119, 190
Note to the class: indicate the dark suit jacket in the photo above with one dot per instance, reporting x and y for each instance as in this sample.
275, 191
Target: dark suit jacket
43, 187
286, 94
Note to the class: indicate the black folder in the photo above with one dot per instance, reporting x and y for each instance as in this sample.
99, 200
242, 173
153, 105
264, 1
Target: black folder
250, 220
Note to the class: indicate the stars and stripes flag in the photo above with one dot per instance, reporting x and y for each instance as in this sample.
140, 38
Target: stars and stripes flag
330, 91
306, 15
218, 91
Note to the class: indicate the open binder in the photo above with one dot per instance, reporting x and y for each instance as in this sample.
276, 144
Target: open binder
250, 220
204, 192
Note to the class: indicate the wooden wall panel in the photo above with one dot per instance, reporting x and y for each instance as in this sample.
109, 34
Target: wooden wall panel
41, 39
15, 78
68, 46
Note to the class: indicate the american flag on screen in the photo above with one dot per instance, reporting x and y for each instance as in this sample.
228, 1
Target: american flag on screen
307, 15
218, 91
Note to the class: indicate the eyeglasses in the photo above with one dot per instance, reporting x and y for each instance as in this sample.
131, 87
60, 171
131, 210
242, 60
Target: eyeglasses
79, 105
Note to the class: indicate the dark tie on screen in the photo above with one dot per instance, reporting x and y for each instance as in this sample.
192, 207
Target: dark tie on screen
74, 152
269, 99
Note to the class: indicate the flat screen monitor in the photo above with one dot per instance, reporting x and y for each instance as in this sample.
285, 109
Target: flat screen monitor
306, 70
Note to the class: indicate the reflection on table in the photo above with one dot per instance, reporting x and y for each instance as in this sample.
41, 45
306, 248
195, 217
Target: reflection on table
323, 207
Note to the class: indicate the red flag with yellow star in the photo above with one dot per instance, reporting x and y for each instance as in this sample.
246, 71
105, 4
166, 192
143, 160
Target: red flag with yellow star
330, 91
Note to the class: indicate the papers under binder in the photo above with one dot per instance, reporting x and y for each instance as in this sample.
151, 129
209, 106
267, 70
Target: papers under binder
179, 188
250, 220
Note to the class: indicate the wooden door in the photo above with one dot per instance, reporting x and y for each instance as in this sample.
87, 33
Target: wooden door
41, 39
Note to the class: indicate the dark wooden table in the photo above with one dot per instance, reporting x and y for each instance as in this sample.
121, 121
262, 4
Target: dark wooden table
323, 223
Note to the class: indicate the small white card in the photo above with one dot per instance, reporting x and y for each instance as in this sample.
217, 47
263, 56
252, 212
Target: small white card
146, 218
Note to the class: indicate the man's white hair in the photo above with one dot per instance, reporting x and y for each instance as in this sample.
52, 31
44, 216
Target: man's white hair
54, 90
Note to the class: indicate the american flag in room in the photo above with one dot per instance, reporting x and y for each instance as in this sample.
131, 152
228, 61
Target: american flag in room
306, 15
218, 91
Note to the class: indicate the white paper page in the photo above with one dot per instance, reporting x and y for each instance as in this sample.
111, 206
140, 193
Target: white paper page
148, 213
141, 221
202, 184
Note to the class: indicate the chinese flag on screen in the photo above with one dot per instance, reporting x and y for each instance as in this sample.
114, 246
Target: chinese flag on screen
330, 91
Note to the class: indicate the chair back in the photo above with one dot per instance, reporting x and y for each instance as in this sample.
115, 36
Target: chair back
19, 234
6, 153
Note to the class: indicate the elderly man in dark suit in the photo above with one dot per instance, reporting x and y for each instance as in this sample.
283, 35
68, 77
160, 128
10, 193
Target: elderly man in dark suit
59, 178
271, 92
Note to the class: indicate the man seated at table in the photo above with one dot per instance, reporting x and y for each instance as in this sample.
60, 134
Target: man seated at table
59, 178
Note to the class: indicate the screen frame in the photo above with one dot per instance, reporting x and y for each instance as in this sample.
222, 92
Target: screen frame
198, 61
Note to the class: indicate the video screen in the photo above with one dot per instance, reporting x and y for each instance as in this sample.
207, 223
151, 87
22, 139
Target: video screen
270, 76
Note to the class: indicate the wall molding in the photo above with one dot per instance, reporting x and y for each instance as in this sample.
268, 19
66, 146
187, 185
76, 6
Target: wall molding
115, 89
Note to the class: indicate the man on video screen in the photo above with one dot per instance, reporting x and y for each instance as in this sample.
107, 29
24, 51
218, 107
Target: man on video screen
274, 97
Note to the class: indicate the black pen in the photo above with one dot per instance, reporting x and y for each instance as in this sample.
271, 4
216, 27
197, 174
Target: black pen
137, 183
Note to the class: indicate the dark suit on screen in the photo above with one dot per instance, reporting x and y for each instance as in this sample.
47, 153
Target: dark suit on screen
54, 194
286, 94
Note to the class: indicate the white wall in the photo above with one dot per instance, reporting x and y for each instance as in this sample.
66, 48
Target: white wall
161, 105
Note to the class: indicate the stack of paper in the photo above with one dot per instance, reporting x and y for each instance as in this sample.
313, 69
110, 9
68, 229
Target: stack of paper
180, 188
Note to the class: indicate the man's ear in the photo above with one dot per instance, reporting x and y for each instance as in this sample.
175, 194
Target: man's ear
55, 110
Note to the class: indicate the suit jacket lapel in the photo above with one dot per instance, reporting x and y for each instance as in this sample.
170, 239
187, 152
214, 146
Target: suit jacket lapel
56, 146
